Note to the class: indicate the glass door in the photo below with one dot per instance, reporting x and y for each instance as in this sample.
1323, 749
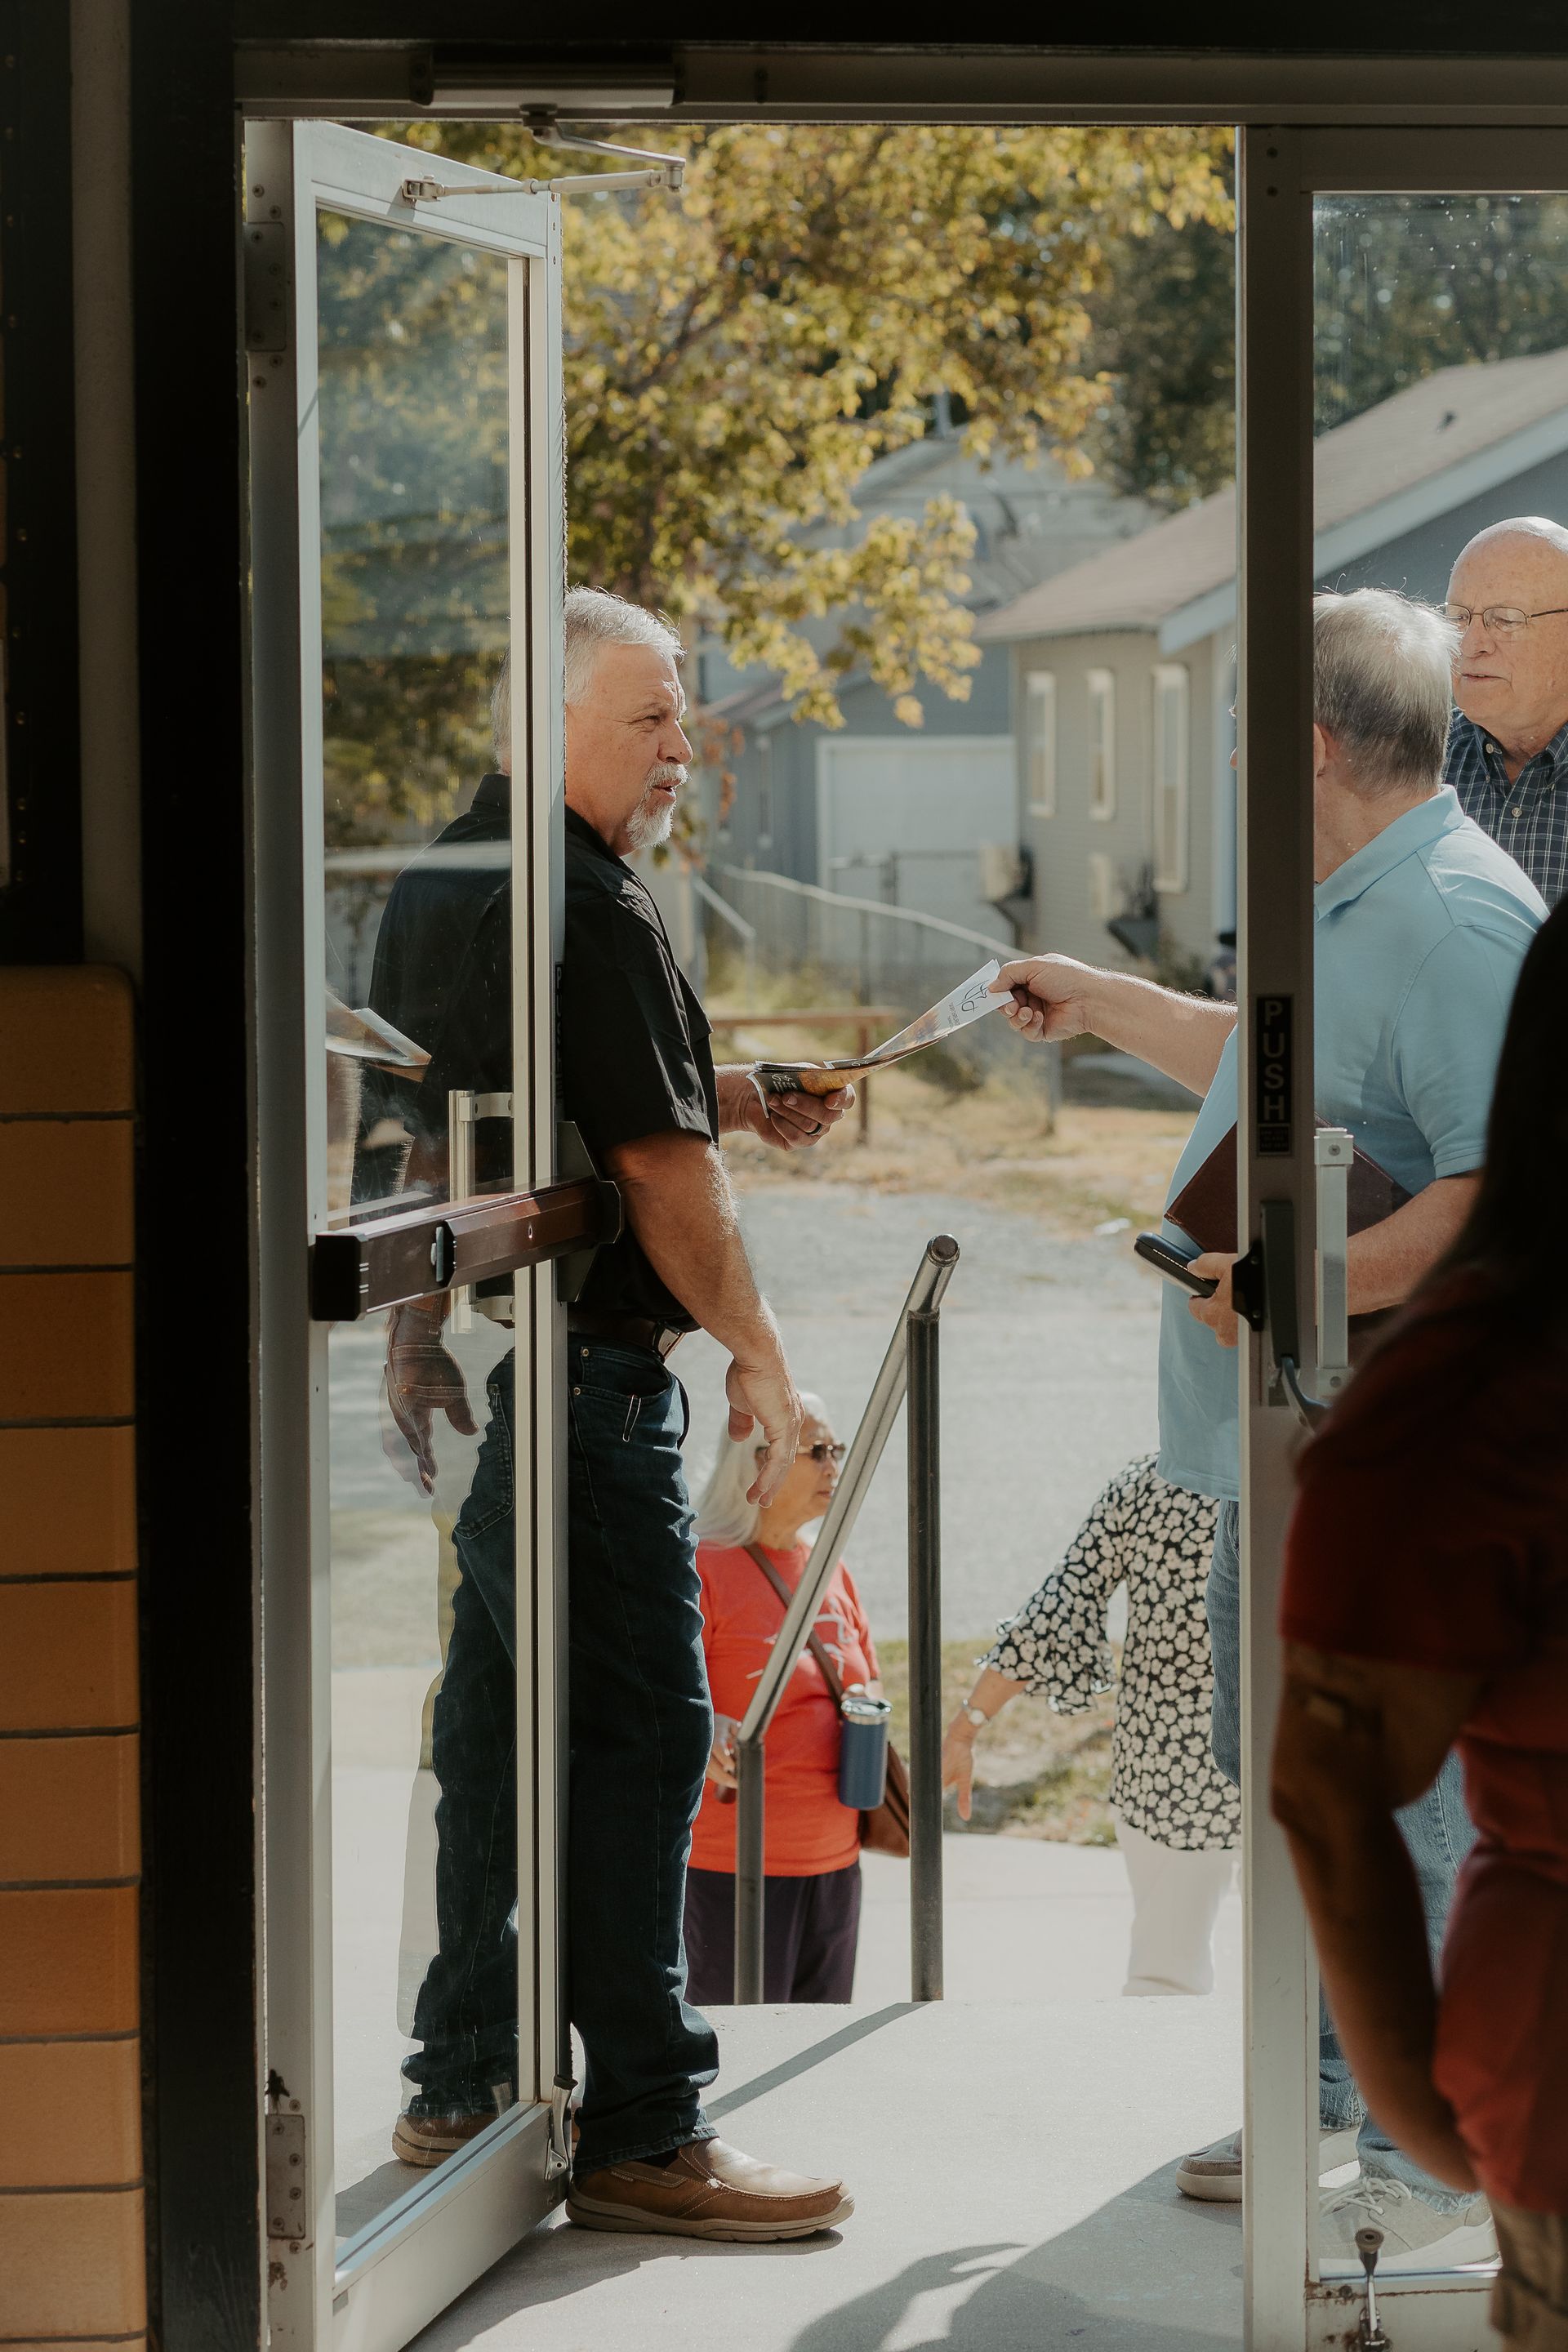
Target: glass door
404, 372
1403, 335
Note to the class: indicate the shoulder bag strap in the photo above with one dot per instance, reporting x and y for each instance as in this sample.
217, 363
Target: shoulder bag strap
836, 1688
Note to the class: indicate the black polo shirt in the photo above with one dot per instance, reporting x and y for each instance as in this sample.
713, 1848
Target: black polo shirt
632, 1050
442, 972
633, 1056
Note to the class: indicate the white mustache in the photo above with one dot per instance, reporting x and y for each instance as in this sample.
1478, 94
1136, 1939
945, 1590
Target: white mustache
669, 772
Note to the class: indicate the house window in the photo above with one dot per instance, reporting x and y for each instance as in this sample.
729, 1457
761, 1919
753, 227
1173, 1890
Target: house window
1171, 730
764, 791
1041, 741
1101, 685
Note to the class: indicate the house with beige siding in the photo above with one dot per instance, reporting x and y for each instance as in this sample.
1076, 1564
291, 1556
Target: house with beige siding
1123, 667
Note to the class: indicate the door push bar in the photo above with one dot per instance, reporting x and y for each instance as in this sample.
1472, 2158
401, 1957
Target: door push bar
1263, 1283
388, 1261
908, 1367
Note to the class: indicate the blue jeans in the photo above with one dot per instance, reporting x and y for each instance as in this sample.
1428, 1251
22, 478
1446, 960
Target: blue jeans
1437, 1834
641, 1728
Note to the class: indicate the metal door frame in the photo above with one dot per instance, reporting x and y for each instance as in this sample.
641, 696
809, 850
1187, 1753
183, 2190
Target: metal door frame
425, 2249
1279, 171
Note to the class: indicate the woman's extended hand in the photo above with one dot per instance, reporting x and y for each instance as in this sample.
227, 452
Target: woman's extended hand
722, 1756
958, 1760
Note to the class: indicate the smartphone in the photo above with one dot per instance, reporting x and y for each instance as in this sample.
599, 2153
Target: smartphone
1168, 1260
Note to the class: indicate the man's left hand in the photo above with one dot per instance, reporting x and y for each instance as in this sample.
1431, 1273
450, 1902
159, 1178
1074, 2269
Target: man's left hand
1217, 1312
786, 1121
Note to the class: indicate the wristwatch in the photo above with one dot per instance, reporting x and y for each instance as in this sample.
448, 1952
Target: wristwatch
977, 1715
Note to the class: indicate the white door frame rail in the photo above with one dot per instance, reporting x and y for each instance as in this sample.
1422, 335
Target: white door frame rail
1280, 171
425, 2249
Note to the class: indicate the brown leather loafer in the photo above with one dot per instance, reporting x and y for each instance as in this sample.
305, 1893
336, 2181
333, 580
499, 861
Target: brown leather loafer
711, 2191
426, 2141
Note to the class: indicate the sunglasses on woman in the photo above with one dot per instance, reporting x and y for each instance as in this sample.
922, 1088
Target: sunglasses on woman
824, 1450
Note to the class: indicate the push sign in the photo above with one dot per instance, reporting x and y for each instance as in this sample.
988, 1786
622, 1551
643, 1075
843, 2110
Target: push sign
1274, 1075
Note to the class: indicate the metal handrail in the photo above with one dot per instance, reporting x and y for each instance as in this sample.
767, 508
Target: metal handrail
839, 898
737, 922
908, 1367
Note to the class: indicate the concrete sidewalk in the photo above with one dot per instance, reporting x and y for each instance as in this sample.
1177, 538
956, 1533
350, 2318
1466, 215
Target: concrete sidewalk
1012, 2172
1024, 1920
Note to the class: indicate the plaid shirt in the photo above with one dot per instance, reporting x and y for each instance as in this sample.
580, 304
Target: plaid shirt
1529, 818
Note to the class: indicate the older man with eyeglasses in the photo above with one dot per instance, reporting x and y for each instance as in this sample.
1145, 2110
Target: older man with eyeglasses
1508, 747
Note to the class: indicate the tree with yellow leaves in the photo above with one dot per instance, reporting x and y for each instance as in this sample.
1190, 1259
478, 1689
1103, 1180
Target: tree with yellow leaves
737, 355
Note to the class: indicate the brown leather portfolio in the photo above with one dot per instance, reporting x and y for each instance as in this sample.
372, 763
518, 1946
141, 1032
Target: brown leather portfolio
1205, 1208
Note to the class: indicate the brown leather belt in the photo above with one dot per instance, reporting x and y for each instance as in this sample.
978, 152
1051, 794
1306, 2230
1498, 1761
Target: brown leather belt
623, 1330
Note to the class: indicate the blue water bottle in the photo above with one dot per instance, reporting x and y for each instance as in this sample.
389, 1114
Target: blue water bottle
863, 1751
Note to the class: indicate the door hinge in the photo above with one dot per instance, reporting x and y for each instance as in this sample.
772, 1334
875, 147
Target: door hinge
266, 286
288, 2207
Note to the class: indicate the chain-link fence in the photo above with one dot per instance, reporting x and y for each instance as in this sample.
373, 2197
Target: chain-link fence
873, 954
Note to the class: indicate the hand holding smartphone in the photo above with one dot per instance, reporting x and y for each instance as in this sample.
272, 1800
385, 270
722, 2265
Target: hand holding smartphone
1166, 1259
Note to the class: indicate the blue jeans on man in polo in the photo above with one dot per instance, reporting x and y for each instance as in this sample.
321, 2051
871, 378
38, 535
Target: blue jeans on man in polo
641, 1730
1437, 1834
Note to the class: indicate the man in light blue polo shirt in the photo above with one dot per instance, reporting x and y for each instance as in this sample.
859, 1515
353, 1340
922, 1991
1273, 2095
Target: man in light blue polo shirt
1422, 925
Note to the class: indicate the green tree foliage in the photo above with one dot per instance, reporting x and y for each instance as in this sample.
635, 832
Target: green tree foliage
1406, 285
414, 492
1164, 344
1401, 286
736, 358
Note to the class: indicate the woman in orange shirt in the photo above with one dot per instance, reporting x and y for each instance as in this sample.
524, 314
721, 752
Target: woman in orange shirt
812, 1842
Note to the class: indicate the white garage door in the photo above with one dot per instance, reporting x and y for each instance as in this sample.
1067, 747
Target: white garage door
898, 818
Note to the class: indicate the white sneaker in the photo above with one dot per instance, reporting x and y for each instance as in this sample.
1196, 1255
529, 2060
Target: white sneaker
1213, 2173
1416, 2236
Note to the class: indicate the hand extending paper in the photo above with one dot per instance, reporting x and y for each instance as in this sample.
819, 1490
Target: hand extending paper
970, 1001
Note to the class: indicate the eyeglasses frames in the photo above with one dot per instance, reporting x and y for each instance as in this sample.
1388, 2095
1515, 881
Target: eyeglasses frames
823, 1451
1502, 620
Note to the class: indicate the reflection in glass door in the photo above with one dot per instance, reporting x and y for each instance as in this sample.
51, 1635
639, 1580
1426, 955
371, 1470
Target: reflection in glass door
1405, 373
412, 442
404, 1743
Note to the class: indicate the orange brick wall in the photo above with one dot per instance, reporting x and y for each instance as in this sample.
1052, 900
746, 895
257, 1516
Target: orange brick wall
71, 2224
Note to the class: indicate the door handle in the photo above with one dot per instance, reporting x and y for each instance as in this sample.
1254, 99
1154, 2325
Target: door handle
1263, 1289
388, 1261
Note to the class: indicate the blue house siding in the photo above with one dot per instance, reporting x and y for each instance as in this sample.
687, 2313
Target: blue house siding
1420, 562
791, 757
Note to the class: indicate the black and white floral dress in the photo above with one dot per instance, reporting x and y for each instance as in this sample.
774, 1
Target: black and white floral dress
1156, 1539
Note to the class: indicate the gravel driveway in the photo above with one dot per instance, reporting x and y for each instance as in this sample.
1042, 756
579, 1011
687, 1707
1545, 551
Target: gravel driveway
1048, 1367
1047, 1373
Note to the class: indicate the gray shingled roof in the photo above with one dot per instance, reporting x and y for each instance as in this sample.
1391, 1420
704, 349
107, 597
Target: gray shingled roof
1413, 438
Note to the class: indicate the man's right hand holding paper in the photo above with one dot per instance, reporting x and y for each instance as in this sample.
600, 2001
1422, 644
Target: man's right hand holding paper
1055, 997
1046, 996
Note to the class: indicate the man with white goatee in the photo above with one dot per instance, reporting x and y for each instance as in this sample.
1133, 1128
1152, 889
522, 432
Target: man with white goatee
636, 1075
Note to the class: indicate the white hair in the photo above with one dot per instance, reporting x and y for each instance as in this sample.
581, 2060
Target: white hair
595, 618
725, 1516
1383, 685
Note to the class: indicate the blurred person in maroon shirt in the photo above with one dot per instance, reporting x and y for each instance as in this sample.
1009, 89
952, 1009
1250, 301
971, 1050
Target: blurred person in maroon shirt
1425, 1604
